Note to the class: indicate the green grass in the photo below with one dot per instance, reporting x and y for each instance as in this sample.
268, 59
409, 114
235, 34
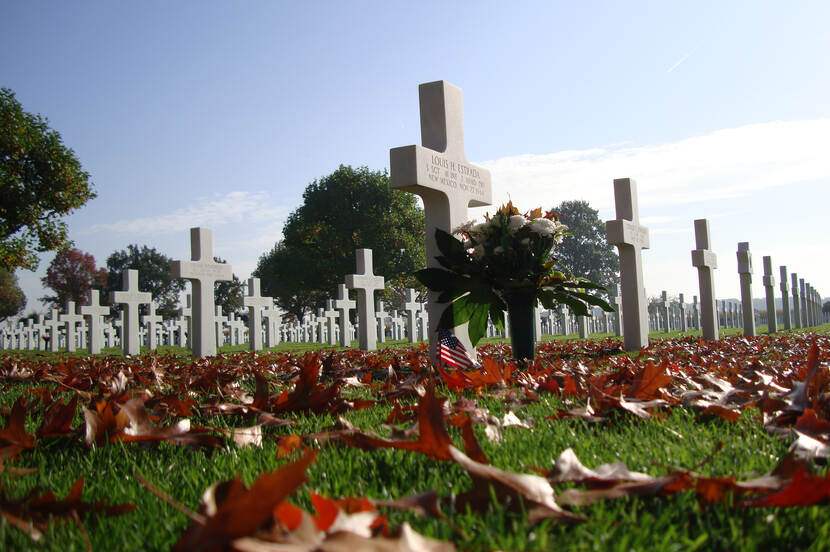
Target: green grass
655, 446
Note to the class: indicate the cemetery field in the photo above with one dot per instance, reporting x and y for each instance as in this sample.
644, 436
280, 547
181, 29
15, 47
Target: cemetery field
686, 445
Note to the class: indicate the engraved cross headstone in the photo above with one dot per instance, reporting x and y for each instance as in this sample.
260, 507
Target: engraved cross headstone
343, 305
151, 320
796, 302
331, 325
705, 260
785, 297
769, 290
71, 319
366, 283
95, 313
131, 298
745, 272
203, 272
439, 172
255, 303
630, 238
411, 306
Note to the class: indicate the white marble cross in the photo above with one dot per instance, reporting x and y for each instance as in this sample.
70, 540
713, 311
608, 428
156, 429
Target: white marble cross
151, 320
219, 326
187, 315
805, 320
380, 315
366, 283
448, 184
343, 305
630, 238
255, 303
745, 272
785, 297
769, 291
705, 260
683, 325
131, 298
796, 303
411, 307
71, 319
331, 324
95, 314
203, 272
273, 316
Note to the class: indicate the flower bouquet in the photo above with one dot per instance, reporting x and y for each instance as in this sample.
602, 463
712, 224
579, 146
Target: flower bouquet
505, 263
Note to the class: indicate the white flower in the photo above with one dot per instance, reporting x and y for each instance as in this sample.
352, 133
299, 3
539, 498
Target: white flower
516, 222
544, 227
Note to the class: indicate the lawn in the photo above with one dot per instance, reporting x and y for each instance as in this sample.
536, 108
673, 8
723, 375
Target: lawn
464, 459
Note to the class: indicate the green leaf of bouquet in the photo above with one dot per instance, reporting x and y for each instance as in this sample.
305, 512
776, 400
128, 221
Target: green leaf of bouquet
448, 245
578, 307
497, 314
478, 323
437, 279
593, 300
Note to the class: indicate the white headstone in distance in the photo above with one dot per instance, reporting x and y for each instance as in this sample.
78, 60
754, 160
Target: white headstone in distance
616, 299
785, 298
630, 238
343, 305
366, 283
255, 303
273, 321
411, 306
745, 272
95, 314
796, 302
664, 312
695, 313
423, 322
769, 290
219, 326
438, 171
331, 322
71, 319
187, 314
131, 298
203, 272
705, 260
380, 315
803, 299
151, 320
683, 323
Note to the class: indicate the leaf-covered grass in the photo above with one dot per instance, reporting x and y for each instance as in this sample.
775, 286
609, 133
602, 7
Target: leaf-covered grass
679, 440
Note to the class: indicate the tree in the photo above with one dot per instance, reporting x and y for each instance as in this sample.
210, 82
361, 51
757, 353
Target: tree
229, 294
153, 276
586, 252
71, 274
12, 299
346, 210
40, 180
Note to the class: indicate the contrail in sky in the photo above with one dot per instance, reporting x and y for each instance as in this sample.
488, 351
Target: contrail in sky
679, 61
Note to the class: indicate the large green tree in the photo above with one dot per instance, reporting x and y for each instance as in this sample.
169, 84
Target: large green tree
346, 210
586, 252
12, 299
153, 276
228, 294
40, 181
71, 274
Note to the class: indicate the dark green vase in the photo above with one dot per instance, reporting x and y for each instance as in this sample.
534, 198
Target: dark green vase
520, 307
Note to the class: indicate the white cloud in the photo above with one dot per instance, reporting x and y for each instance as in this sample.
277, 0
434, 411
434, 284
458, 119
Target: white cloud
727, 163
233, 208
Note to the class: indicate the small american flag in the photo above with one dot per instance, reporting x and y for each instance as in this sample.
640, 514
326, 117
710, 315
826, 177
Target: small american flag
452, 352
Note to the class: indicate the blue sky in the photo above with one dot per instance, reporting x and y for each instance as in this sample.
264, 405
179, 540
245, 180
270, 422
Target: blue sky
220, 114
